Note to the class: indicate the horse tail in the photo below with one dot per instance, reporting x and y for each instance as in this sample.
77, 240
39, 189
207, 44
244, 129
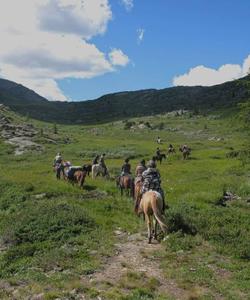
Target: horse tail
132, 188
93, 172
158, 215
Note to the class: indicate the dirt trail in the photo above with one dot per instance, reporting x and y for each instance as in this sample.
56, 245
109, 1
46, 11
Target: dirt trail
134, 254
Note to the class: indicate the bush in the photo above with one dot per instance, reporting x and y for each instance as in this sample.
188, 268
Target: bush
46, 222
180, 219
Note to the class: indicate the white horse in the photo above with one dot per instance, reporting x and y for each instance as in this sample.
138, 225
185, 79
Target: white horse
99, 170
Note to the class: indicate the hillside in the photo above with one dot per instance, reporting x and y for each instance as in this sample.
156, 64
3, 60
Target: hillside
125, 104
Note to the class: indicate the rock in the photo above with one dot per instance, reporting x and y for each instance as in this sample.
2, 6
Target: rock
37, 297
41, 196
16, 294
118, 232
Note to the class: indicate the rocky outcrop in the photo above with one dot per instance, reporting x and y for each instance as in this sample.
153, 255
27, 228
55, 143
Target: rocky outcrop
18, 135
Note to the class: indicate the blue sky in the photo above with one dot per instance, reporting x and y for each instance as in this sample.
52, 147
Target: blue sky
185, 42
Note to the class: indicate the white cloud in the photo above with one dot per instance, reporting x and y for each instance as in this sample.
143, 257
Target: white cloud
47, 40
129, 4
205, 76
140, 35
118, 58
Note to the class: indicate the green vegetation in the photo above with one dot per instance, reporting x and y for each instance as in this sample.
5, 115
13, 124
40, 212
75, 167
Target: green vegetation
125, 105
54, 236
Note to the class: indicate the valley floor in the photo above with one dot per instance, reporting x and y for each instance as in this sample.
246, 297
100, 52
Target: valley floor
58, 241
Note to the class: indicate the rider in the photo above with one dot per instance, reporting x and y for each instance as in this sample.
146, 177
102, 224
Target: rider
95, 160
152, 180
126, 168
158, 152
140, 168
102, 163
58, 159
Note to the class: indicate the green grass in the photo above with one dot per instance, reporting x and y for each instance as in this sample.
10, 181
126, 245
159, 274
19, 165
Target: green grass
50, 243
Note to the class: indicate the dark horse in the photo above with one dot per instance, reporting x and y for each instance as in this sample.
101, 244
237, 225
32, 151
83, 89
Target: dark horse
88, 168
126, 182
186, 151
159, 157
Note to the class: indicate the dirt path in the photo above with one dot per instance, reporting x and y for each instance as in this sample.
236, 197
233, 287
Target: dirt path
135, 256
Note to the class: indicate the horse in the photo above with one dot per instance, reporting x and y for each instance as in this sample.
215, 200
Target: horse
171, 151
137, 191
159, 157
126, 182
88, 168
98, 169
186, 151
79, 177
151, 205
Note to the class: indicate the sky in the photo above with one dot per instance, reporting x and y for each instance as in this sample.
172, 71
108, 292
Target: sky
71, 50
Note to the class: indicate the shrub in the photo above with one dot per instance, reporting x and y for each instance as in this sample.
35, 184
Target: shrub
46, 222
180, 219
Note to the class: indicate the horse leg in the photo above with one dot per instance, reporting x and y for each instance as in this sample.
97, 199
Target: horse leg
148, 221
155, 229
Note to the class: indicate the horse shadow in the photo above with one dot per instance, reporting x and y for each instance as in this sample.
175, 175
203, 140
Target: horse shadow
89, 187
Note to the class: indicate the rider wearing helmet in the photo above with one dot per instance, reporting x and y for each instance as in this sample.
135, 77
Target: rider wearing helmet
58, 159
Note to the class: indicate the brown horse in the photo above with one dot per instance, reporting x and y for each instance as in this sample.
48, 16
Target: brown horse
137, 192
79, 177
159, 157
126, 182
151, 206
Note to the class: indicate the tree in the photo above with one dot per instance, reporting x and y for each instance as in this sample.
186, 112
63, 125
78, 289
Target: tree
244, 114
55, 129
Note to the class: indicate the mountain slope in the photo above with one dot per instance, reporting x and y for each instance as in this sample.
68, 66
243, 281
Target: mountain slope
124, 105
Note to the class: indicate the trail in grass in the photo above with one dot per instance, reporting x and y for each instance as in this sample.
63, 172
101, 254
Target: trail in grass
135, 256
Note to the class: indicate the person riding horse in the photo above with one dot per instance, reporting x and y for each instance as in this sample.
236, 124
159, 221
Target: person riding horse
57, 164
95, 160
102, 163
158, 152
58, 159
126, 168
152, 180
140, 168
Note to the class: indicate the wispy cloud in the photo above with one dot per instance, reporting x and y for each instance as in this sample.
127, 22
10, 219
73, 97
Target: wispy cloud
128, 4
140, 35
201, 75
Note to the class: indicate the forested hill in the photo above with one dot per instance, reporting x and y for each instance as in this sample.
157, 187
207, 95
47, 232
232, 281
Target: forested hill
125, 104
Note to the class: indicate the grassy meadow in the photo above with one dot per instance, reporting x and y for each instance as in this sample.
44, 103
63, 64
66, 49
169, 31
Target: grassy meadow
54, 235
